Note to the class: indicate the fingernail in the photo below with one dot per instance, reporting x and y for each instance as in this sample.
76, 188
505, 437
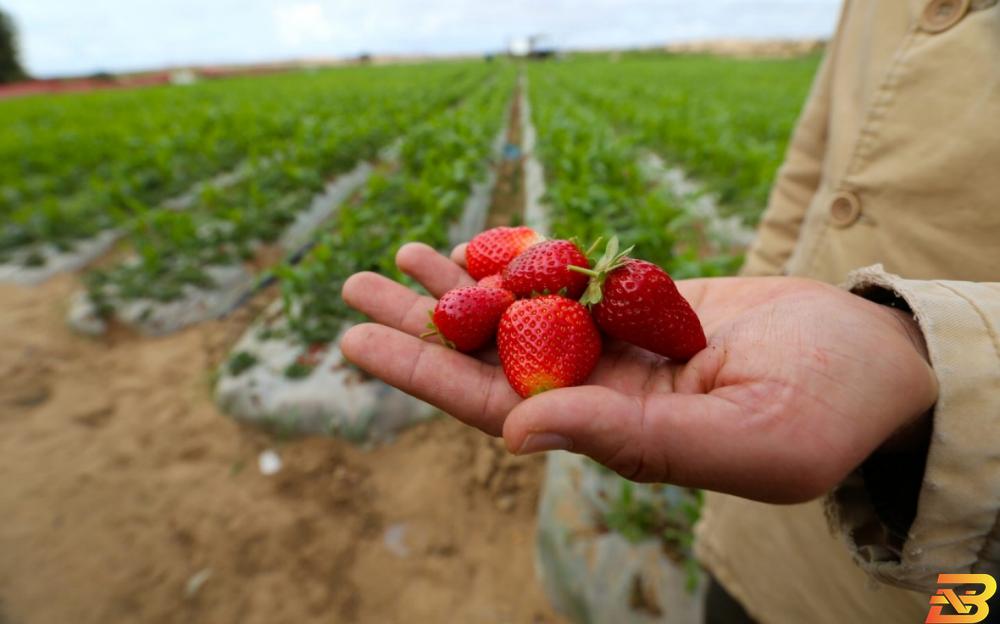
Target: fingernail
538, 442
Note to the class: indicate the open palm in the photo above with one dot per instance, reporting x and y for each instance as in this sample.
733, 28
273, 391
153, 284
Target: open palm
800, 382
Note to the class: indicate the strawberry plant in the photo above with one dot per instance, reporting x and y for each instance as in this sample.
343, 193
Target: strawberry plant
75, 165
593, 183
726, 121
226, 226
440, 159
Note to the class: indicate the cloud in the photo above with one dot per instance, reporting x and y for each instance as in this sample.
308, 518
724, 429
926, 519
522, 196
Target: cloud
302, 23
60, 37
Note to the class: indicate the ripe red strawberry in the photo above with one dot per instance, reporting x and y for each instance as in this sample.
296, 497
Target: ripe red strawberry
636, 301
491, 281
490, 251
547, 342
543, 268
467, 318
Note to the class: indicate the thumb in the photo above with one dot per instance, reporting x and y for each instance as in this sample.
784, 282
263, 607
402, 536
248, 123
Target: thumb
599, 422
694, 440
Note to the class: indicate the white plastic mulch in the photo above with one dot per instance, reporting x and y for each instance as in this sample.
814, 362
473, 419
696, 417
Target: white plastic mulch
535, 214
333, 399
727, 231
593, 574
84, 252
307, 222
232, 282
158, 318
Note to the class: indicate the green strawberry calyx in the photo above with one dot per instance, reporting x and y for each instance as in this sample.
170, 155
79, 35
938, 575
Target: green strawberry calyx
612, 260
433, 330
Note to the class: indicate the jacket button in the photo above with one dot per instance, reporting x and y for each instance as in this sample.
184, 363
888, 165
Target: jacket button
940, 15
844, 209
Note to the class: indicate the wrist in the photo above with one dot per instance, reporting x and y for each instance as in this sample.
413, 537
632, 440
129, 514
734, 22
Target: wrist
912, 330
914, 435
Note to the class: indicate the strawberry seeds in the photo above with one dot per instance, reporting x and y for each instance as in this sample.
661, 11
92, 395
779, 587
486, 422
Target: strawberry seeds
544, 304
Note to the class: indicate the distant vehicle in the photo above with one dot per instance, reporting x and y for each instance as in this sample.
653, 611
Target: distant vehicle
533, 47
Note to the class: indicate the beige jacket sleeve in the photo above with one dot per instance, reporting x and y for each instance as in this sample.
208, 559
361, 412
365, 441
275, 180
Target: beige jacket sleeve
797, 179
955, 526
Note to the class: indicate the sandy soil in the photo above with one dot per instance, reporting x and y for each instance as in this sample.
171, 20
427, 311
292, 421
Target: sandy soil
123, 487
748, 48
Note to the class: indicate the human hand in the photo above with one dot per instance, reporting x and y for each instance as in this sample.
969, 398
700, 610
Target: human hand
800, 382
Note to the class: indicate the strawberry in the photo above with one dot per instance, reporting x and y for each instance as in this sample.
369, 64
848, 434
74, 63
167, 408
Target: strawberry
466, 318
544, 269
637, 302
492, 281
490, 251
547, 342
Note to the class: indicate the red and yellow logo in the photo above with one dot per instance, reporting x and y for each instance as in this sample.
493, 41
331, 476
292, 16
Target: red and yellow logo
969, 606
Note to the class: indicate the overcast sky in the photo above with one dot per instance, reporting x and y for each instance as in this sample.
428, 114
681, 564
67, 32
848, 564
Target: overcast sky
73, 37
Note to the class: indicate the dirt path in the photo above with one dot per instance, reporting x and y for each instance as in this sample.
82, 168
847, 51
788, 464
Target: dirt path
507, 199
123, 486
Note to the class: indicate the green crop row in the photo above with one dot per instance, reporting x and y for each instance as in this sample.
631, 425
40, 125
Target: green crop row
56, 145
726, 121
594, 186
76, 165
440, 161
148, 142
229, 225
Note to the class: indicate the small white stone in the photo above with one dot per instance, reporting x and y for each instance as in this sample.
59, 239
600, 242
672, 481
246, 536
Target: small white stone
269, 462
196, 581
394, 540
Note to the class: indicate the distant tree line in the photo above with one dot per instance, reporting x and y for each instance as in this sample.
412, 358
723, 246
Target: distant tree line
10, 62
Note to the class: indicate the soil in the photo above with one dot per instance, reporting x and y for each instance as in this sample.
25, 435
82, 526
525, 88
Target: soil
127, 497
748, 48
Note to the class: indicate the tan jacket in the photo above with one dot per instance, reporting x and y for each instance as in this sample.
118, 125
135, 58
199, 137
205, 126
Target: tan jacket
895, 161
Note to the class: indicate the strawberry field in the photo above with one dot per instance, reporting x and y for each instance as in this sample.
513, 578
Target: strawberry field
171, 261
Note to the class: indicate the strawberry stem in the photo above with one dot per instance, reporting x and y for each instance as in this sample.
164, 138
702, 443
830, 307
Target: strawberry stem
580, 269
436, 332
433, 330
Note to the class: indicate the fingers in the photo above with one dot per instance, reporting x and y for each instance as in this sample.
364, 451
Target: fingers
392, 304
458, 254
474, 392
388, 302
437, 273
